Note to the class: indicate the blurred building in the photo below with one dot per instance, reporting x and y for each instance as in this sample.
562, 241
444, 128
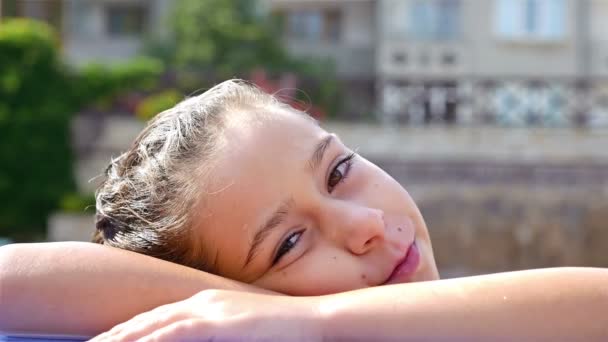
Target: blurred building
512, 62
506, 62
96, 30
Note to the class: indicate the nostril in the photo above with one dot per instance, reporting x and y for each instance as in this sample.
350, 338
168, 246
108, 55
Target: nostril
369, 244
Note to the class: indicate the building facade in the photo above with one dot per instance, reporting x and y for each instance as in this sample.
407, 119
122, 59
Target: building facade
102, 31
509, 62
505, 62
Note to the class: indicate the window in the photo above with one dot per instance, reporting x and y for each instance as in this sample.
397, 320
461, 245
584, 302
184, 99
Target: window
314, 25
435, 19
125, 20
531, 19
81, 20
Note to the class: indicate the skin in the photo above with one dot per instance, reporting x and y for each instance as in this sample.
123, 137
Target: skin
353, 222
106, 286
514, 306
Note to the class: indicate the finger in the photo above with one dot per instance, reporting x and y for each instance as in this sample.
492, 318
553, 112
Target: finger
101, 337
140, 324
149, 324
185, 330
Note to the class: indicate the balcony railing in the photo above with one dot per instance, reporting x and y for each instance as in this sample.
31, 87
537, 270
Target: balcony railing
512, 102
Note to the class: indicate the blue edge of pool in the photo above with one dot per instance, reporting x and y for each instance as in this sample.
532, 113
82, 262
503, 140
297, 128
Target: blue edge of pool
40, 338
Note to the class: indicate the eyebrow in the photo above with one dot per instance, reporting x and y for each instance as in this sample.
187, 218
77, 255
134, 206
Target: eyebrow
317, 155
282, 211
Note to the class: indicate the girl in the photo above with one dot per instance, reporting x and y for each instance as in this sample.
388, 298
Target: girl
235, 183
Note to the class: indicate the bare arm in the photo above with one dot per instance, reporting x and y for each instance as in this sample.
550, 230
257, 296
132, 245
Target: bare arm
84, 288
562, 304
550, 304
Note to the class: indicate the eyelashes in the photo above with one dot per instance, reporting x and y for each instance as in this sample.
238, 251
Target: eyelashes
336, 176
340, 172
287, 245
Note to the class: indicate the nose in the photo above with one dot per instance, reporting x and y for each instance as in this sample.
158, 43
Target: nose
361, 228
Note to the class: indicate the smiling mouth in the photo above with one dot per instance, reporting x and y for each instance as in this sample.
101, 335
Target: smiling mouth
406, 267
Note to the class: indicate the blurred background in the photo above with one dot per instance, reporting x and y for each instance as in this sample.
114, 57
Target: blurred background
492, 113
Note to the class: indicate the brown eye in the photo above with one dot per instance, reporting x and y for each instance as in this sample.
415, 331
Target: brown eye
335, 178
339, 172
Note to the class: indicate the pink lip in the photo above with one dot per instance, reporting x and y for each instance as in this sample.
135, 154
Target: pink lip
406, 267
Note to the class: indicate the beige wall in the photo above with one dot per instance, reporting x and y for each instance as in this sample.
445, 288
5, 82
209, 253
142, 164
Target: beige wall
479, 51
487, 229
599, 37
495, 56
599, 20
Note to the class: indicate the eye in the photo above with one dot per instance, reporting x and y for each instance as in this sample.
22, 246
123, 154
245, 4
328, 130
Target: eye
339, 173
287, 245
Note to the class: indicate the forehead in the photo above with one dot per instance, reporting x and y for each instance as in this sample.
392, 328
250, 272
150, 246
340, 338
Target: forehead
259, 165
250, 136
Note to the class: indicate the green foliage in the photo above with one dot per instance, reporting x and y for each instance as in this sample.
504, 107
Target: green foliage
323, 89
35, 108
78, 203
38, 97
213, 40
103, 82
157, 103
226, 35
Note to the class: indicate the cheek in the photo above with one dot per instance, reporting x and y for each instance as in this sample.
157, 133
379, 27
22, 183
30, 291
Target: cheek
324, 272
378, 189
383, 192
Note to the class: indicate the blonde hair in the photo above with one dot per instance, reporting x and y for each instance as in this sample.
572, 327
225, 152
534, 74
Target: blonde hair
145, 203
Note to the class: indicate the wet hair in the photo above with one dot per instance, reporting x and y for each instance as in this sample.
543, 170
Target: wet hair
146, 203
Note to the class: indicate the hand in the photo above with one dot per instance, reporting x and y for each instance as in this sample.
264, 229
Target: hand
221, 315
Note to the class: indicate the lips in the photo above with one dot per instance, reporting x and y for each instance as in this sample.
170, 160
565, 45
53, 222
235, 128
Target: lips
406, 267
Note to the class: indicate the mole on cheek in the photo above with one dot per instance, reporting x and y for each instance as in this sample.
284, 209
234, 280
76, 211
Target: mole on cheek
399, 229
335, 257
363, 276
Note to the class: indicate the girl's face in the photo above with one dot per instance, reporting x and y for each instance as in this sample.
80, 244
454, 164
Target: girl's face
291, 209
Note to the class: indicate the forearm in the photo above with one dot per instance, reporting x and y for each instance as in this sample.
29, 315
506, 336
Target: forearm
83, 288
552, 304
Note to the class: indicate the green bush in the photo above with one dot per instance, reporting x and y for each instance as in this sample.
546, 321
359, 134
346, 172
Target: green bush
226, 36
231, 38
103, 83
38, 97
35, 110
78, 203
157, 103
